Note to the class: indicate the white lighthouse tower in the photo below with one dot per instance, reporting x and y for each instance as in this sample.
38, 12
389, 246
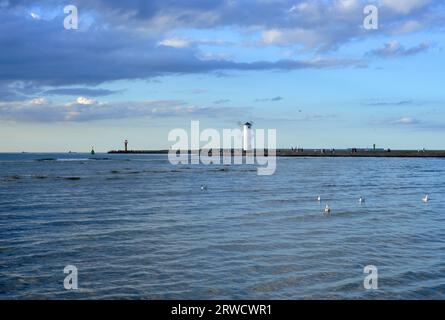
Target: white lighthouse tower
247, 136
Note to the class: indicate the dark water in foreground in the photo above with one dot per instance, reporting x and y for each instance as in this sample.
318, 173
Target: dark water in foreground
137, 227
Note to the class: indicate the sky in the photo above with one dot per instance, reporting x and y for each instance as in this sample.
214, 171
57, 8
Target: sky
138, 69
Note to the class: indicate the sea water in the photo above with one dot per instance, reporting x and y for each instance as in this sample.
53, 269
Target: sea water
138, 227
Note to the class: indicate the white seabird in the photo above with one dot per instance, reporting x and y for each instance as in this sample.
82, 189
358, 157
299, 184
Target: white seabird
327, 210
426, 198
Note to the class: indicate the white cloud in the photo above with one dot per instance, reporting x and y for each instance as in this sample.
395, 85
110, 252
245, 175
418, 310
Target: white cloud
405, 120
37, 101
394, 49
40, 110
34, 16
175, 43
272, 36
404, 6
212, 56
408, 27
299, 36
302, 7
85, 101
346, 5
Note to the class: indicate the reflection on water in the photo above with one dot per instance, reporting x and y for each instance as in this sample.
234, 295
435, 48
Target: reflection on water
136, 226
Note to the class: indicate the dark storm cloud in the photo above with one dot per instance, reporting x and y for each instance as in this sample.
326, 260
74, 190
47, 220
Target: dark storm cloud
317, 24
267, 13
43, 52
120, 39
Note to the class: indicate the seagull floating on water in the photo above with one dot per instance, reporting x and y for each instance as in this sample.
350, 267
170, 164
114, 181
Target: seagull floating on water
203, 187
426, 199
327, 210
361, 200
318, 198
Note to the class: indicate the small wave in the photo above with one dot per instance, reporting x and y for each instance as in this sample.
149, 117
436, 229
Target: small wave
124, 172
14, 177
46, 159
39, 177
67, 159
70, 178
161, 170
113, 178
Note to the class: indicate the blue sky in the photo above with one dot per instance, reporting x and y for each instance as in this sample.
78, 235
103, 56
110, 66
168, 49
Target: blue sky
137, 69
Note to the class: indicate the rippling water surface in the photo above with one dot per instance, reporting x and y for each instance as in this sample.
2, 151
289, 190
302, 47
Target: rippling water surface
136, 226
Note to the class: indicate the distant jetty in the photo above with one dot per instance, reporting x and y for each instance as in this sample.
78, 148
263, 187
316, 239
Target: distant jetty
379, 153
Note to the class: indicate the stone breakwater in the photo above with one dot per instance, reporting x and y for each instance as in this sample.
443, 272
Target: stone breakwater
313, 153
